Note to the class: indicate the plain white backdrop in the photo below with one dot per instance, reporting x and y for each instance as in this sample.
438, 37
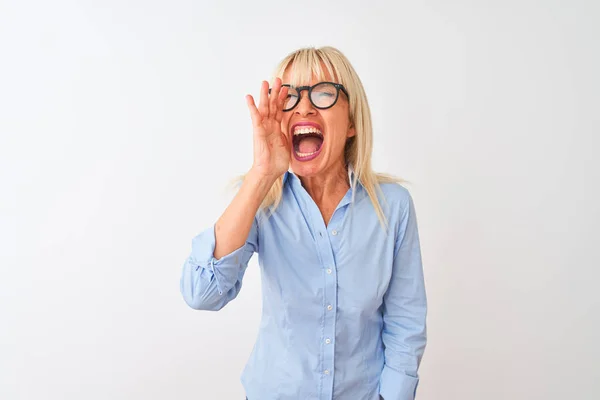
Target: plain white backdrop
122, 123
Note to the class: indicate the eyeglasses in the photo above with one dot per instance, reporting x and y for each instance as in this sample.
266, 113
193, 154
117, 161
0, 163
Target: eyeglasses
323, 95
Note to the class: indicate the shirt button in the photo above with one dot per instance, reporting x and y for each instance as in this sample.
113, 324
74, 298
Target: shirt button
334, 232
329, 307
329, 271
326, 372
327, 340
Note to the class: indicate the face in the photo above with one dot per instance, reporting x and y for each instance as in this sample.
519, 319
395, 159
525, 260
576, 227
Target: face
317, 136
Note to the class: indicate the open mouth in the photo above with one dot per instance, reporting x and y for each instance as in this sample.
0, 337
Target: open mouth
307, 142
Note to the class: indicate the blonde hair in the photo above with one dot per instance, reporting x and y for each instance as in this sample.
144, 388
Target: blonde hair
306, 62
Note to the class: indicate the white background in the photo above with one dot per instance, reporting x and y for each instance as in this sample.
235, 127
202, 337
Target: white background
122, 122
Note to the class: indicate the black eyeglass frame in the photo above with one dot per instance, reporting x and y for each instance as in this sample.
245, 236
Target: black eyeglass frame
299, 89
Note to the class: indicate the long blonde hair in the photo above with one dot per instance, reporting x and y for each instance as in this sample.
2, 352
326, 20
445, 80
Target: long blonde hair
306, 62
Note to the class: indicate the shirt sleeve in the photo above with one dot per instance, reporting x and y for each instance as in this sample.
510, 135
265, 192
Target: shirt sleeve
208, 283
404, 313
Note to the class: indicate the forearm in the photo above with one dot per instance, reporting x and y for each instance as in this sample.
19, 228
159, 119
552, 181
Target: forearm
232, 228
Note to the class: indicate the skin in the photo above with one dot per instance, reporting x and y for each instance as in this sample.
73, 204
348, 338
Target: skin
325, 178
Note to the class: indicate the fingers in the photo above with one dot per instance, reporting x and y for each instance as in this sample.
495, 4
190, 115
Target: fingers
271, 104
254, 114
263, 107
280, 103
274, 97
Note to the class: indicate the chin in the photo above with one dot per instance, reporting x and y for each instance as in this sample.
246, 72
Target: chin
306, 168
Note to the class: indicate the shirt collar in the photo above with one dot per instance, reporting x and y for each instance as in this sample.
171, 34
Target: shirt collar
290, 175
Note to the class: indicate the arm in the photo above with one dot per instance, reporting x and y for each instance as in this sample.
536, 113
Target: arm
212, 274
232, 229
404, 313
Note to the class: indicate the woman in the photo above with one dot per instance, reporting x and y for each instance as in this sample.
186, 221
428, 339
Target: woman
344, 302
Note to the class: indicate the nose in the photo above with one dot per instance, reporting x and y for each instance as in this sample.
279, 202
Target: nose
304, 106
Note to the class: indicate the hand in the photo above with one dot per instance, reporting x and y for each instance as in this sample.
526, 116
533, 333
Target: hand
271, 144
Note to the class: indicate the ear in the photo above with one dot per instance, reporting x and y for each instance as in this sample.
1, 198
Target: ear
351, 131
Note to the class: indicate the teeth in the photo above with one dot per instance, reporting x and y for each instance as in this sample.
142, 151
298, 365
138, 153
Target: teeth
304, 130
306, 154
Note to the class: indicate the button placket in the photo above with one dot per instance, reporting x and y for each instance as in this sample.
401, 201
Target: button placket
326, 249
325, 245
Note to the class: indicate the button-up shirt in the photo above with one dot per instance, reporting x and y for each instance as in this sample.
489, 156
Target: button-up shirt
344, 304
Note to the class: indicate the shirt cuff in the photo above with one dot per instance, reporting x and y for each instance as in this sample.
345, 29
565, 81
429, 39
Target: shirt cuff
225, 269
395, 385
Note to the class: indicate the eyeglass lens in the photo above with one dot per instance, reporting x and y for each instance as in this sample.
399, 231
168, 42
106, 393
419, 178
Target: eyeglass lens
322, 95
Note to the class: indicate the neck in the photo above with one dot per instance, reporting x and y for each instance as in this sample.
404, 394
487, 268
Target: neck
328, 186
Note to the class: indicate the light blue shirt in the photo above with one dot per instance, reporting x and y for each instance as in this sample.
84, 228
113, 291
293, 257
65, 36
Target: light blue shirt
344, 305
